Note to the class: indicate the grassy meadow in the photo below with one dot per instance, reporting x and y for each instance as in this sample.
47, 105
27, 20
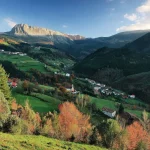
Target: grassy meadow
24, 63
39, 102
31, 142
100, 103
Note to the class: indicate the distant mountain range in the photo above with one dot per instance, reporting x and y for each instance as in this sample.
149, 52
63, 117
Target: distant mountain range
76, 45
126, 68
133, 58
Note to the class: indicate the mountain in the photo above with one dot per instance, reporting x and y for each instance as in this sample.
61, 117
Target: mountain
82, 48
139, 84
130, 59
76, 45
141, 44
126, 68
41, 35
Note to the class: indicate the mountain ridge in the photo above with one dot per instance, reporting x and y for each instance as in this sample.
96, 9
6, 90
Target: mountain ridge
76, 45
25, 29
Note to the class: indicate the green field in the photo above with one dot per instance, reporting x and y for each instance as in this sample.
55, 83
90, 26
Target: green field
46, 87
24, 63
38, 105
100, 103
31, 142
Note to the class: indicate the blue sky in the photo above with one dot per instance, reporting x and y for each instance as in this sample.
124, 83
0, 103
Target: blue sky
90, 18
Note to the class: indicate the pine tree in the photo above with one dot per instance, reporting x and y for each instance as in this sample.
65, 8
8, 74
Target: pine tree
3, 84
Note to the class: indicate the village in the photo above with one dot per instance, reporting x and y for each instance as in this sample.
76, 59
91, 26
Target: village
102, 89
98, 88
12, 53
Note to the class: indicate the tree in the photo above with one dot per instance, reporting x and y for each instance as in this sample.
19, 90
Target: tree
25, 85
31, 119
73, 122
95, 138
121, 109
3, 84
110, 132
86, 100
47, 128
145, 116
145, 121
137, 134
4, 109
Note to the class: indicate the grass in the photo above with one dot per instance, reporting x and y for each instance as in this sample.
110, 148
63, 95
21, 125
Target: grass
100, 103
31, 142
134, 101
24, 63
52, 102
36, 103
46, 87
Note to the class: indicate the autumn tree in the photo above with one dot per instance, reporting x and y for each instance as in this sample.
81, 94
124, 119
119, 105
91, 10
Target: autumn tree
31, 119
110, 132
63, 89
3, 84
73, 122
4, 109
25, 85
47, 128
136, 135
146, 121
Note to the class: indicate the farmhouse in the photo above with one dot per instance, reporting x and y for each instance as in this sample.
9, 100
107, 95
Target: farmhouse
12, 83
67, 75
109, 112
132, 96
70, 89
96, 90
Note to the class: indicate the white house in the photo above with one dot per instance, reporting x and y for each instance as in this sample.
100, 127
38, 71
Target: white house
97, 88
132, 96
22, 54
67, 75
70, 89
109, 112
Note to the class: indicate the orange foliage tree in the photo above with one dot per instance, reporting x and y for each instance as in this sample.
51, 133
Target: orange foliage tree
137, 134
73, 123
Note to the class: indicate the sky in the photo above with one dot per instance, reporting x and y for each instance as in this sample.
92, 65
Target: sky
89, 18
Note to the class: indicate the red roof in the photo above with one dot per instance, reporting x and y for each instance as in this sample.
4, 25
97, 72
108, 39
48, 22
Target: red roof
14, 84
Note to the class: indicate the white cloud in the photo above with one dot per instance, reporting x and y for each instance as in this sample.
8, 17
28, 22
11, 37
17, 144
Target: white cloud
64, 26
137, 26
141, 18
144, 8
131, 17
113, 9
10, 22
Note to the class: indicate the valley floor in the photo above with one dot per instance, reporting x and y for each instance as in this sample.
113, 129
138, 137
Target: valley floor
31, 142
